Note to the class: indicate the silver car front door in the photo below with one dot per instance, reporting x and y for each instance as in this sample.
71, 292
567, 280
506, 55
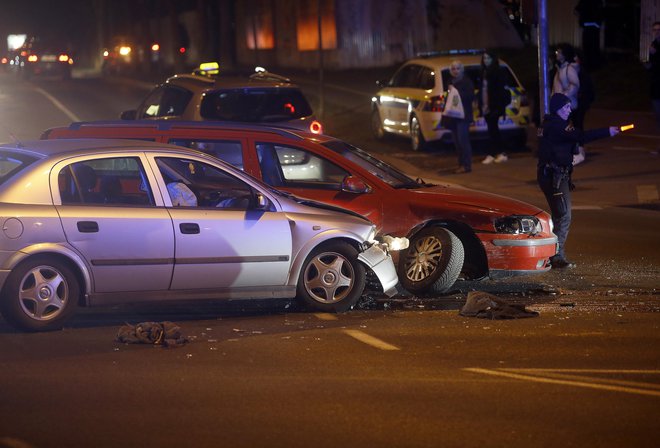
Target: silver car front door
109, 216
221, 239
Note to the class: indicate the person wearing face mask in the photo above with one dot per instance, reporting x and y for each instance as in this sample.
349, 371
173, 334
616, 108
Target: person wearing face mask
558, 143
493, 99
461, 126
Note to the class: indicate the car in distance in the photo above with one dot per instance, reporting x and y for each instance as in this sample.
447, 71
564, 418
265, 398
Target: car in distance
410, 104
452, 231
262, 97
41, 57
96, 222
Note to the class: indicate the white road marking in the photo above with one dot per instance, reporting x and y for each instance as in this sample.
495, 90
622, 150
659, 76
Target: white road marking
647, 194
554, 376
325, 316
60, 106
370, 340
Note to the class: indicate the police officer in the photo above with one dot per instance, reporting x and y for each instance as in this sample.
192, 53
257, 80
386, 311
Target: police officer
558, 142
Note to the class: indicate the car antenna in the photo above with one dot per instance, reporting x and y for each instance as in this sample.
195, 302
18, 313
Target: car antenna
15, 139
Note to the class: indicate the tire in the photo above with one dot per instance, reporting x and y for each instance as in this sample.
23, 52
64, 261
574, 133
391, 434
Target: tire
20, 301
432, 262
416, 138
377, 125
332, 279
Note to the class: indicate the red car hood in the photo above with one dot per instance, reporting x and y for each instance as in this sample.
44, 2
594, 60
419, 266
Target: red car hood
464, 197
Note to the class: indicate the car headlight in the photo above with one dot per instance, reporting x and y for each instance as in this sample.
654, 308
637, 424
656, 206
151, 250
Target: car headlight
518, 224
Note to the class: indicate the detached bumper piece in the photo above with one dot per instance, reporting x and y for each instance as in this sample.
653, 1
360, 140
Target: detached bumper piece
381, 263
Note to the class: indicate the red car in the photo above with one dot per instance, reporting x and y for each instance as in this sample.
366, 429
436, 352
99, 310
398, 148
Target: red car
452, 231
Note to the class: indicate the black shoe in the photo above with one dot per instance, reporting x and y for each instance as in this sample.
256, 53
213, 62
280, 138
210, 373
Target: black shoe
560, 263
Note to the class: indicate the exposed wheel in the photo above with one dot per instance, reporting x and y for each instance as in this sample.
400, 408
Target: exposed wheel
416, 137
432, 262
377, 125
332, 278
40, 294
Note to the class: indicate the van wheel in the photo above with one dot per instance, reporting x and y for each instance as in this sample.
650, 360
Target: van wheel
332, 278
416, 137
432, 262
40, 294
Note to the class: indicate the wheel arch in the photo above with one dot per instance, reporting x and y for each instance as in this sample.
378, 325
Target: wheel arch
320, 240
64, 255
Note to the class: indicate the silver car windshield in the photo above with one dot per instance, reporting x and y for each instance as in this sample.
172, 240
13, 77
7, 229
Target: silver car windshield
13, 162
377, 167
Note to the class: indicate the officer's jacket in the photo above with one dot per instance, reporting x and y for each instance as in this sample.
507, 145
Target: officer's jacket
559, 141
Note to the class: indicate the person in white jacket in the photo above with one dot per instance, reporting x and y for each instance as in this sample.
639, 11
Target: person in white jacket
566, 80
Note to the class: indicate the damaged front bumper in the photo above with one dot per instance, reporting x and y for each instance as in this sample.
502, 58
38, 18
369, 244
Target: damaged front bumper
377, 258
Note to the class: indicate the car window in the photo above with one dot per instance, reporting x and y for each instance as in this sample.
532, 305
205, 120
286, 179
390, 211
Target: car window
11, 163
109, 181
191, 183
165, 101
407, 76
255, 105
229, 151
295, 167
426, 78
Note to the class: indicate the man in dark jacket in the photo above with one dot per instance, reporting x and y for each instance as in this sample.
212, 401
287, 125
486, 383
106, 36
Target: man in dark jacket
461, 131
557, 144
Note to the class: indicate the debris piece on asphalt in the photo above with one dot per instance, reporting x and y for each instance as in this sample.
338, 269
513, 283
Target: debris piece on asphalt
487, 306
166, 333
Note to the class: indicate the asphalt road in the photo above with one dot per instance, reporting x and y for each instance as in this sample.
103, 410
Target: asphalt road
403, 372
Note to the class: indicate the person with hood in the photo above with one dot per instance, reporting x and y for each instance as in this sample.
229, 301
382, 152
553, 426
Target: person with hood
493, 99
558, 142
461, 126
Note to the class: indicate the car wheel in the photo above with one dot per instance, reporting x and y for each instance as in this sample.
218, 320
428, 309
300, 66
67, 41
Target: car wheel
416, 137
40, 294
432, 262
332, 278
377, 125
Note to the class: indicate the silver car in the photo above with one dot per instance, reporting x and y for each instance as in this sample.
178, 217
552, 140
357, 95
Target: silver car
98, 222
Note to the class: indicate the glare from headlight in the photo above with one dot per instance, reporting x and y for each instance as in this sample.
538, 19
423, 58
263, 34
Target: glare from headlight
396, 243
518, 224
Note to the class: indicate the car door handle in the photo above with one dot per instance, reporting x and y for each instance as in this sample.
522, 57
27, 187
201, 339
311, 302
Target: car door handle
189, 228
88, 226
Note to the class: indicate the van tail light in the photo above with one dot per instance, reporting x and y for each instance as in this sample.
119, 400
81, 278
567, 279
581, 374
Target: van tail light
316, 127
435, 104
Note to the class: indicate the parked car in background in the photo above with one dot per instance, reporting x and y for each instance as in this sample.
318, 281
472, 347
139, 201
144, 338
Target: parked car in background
97, 222
262, 97
43, 57
410, 104
452, 231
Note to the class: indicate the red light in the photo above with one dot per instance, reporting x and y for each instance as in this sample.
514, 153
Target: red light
289, 107
33, 58
182, 50
316, 127
155, 47
63, 58
4, 60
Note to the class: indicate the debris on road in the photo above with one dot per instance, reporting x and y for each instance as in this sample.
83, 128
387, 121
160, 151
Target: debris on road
166, 333
487, 306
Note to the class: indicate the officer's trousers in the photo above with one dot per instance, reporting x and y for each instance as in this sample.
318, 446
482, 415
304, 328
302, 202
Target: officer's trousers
558, 195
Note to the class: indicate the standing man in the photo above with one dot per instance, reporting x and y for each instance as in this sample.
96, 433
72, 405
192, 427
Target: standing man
461, 130
653, 66
557, 145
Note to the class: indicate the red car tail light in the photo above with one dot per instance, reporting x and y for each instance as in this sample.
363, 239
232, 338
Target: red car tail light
316, 127
435, 104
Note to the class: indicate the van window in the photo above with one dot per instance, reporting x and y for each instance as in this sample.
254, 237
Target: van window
255, 105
